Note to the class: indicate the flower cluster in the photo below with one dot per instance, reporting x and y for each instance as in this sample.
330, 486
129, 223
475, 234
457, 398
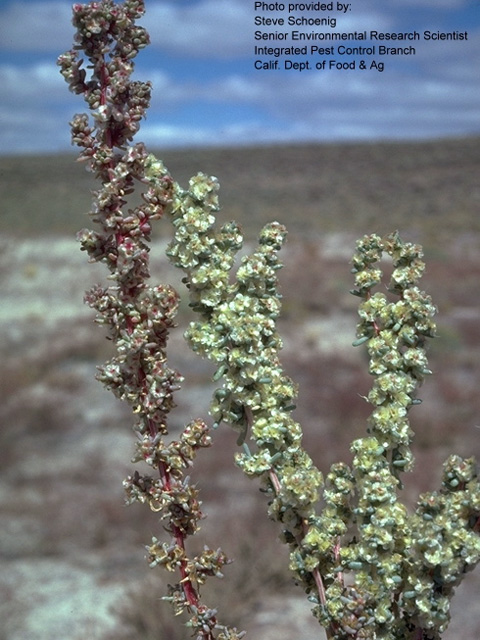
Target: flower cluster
137, 315
237, 331
446, 544
361, 558
404, 565
110, 39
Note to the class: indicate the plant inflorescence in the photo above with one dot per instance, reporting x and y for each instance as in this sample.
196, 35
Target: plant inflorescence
371, 568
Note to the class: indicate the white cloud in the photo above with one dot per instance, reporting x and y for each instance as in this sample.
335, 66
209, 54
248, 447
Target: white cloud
225, 28
212, 27
332, 106
220, 28
167, 91
33, 130
40, 82
35, 99
217, 28
36, 26
432, 93
173, 136
240, 133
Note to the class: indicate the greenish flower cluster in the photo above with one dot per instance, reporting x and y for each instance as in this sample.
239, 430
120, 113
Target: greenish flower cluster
446, 544
361, 559
237, 331
372, 569
391, 574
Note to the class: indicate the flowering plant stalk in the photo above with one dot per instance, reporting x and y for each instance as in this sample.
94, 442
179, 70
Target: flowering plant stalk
138, 316
371, 568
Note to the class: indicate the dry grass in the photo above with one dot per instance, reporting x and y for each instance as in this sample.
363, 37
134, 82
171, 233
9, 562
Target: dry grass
429, 189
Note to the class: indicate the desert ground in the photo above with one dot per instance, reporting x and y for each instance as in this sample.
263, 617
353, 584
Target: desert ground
72, 560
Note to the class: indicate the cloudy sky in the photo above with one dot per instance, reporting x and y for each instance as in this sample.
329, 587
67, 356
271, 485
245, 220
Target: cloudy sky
207, 91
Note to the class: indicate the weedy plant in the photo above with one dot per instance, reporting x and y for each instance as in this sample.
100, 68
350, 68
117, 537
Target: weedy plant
371, 568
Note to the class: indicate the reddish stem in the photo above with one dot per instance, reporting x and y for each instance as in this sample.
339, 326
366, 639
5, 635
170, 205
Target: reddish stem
189, 590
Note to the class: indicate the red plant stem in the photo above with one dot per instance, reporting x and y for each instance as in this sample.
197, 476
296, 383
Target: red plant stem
108, 138
189, 590
275, 481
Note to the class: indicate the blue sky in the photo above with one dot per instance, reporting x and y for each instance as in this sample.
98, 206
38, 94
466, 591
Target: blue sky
207, 92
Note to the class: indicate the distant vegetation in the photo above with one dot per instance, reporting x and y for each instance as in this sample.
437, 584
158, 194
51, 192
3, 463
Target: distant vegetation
430, 189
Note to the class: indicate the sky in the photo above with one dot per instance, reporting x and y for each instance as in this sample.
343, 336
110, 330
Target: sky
207, 92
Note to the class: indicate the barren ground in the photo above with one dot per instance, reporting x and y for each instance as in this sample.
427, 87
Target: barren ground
71, 555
